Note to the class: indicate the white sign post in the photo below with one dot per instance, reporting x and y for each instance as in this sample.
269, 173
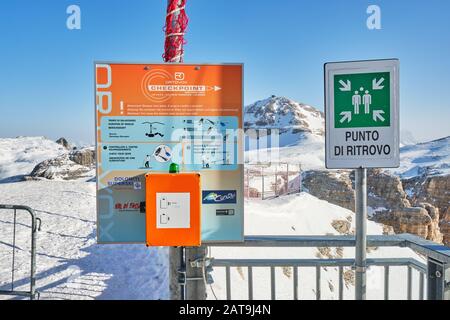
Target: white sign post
362, 119
362, 131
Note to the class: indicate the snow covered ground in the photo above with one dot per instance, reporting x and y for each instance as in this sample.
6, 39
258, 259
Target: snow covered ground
70, 265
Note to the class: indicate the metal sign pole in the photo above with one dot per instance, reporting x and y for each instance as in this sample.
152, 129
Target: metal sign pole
361, 232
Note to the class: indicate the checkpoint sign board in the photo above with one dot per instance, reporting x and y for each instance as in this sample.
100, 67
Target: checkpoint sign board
362, 114
151, 115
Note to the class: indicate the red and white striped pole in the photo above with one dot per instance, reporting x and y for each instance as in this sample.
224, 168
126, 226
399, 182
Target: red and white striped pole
175, 29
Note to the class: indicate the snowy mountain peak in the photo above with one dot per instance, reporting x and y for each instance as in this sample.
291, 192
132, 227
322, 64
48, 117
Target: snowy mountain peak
18, 156
407, 138
426, 158
285, 114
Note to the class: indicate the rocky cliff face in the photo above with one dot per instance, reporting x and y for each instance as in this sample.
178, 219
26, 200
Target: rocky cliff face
387, 196
435, 192
385, 190
432, 189
73, 165
83, 157
63, 141
444, 225
387, 199
422, 221
434, 230
332, 186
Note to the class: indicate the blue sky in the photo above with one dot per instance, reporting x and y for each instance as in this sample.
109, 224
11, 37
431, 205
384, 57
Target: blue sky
46, 70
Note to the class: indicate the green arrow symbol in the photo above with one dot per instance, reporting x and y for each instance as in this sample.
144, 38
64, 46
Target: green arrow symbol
346, 115
377, 114
376, 84
346, 86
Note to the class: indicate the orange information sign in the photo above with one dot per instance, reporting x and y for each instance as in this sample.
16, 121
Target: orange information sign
151, 115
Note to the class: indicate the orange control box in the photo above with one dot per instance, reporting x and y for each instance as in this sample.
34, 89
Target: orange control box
173, 209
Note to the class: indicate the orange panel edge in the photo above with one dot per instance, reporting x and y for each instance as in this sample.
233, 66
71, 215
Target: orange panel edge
173, 209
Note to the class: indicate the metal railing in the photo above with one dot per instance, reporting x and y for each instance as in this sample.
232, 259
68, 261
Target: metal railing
438, 284
35, 227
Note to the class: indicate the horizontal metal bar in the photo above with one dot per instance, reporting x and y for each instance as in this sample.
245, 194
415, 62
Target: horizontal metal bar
312, 241
16, 293
316, 262
429, 248
410, 262
17, 207
426, 247
280, 262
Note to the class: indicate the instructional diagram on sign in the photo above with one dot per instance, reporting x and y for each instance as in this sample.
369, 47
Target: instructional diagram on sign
151, 115
196, 143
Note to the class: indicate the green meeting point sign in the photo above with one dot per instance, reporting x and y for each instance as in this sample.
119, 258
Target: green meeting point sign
362, 100
361, 106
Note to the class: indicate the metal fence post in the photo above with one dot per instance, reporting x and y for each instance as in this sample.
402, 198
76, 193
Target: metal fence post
438, 284
35, 227
361, 237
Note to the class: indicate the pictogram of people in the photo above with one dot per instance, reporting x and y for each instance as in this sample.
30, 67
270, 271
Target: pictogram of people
367, 100
356, 101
